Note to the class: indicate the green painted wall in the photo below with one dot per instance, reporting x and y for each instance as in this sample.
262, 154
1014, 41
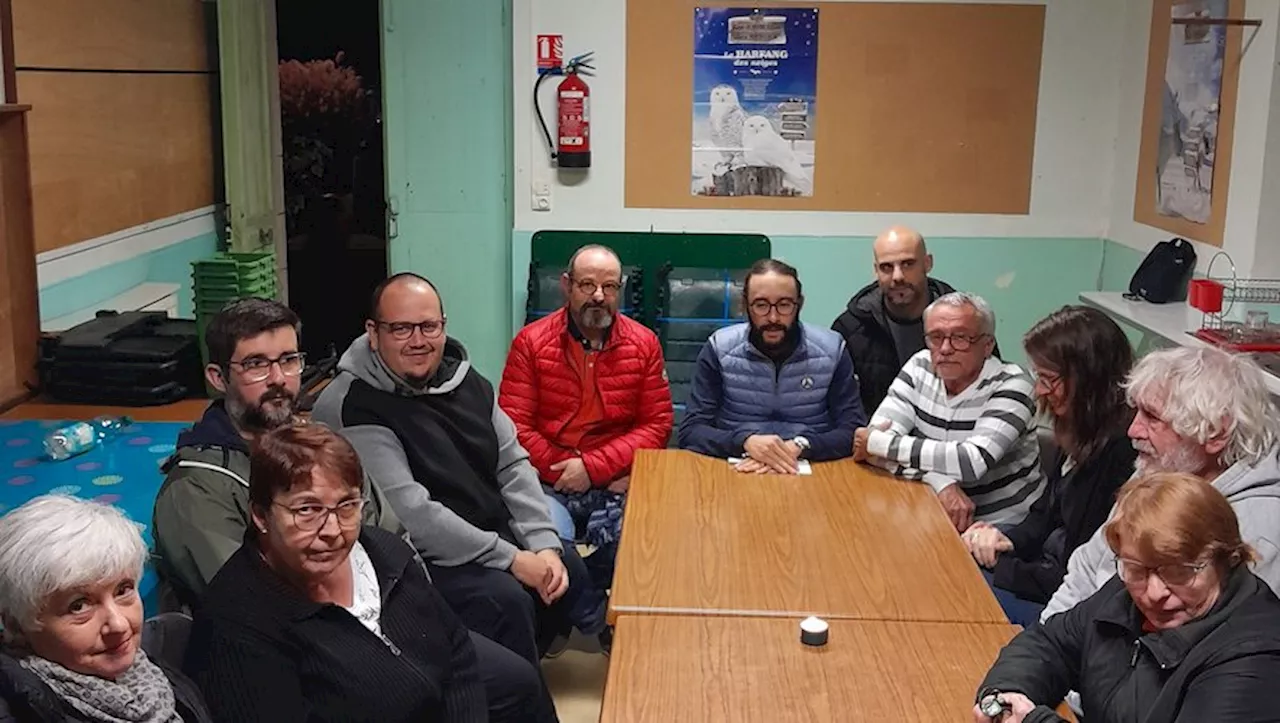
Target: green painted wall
1118, 264
1023, 278
447, 115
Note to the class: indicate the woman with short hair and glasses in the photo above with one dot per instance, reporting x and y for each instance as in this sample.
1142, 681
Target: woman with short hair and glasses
1183, 633
317, 618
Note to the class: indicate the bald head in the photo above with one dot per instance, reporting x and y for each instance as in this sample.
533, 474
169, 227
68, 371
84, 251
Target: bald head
403, 282
900, 240
902, 265
594, 257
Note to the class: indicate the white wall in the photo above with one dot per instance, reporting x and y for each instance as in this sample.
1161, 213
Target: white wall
1076, 124
1254, 149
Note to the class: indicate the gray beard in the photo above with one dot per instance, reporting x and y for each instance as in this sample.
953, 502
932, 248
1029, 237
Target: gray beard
1181, 459
596, 318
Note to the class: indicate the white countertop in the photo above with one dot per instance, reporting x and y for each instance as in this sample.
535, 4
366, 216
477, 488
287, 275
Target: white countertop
1171, 321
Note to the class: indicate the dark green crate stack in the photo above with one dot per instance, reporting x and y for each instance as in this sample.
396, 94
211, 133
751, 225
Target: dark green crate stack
683, 286
225, 278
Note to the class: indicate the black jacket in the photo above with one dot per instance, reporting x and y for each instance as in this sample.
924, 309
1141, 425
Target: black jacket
1066, 516
262, 651
24, 698
865, 329
1221, 667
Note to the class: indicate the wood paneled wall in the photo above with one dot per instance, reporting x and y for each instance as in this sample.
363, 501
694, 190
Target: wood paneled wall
121, 127
19, 315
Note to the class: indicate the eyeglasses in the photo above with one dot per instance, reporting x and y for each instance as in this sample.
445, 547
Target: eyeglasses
401, 330
959, 342
784, 307
1048, 379
311, 517
589, 287
1175, 575
258, 368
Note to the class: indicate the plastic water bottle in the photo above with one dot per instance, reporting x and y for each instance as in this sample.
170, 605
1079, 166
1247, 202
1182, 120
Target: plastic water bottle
80, 437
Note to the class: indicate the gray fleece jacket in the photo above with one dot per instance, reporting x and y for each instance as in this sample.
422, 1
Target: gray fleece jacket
1254, 493
380, 414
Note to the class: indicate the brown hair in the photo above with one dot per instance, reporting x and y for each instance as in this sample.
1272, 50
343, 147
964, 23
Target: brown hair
286, 456
1093, 357
771, 266
1175, 518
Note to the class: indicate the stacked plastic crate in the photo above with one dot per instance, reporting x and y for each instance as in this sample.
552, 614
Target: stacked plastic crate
227, 277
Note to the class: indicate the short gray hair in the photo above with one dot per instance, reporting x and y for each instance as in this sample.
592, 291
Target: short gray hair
986, 317
56, 542
1206, 393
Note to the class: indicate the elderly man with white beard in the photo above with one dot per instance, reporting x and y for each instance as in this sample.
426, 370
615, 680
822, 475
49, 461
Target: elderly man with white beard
1205, 412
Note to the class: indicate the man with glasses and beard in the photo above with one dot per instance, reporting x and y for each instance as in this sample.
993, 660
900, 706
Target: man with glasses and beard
429, 429
202, 509
960, 420
586, 387
774, 390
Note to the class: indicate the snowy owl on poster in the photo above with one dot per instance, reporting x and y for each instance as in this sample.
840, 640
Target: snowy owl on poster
726, 120
764, 147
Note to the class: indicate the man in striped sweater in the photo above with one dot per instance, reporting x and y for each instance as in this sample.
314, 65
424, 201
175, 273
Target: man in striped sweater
960, 420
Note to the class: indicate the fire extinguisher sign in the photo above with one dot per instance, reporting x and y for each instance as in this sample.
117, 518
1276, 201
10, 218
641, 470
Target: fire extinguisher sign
550, 51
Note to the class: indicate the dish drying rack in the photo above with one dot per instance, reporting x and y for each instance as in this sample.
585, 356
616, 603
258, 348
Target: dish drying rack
1215, 297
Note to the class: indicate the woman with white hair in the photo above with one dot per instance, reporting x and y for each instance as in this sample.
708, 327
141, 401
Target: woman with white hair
69, 571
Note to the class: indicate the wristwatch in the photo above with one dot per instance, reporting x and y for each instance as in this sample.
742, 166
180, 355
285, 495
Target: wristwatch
803, 444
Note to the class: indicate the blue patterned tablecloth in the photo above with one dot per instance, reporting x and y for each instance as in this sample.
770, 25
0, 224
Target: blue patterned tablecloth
123, 471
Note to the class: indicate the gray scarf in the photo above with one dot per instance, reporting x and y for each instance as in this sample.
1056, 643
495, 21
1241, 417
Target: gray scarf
142, 694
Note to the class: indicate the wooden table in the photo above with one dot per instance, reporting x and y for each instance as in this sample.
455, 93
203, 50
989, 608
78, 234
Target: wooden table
845, 542
684, 668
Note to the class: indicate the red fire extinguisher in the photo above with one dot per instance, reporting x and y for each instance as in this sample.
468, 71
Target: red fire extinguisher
572, 146
573, 104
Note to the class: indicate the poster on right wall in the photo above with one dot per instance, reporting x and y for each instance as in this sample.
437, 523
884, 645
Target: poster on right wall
1189, 113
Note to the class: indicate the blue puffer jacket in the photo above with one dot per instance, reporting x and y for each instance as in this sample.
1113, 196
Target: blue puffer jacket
738, 391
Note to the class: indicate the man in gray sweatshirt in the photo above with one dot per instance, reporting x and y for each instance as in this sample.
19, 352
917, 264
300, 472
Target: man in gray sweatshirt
428, 428
1205, 412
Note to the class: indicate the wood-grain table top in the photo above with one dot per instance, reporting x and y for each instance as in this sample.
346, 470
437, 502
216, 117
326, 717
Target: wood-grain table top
667, 668
844, 542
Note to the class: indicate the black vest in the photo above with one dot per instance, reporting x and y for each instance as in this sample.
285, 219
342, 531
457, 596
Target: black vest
449, 442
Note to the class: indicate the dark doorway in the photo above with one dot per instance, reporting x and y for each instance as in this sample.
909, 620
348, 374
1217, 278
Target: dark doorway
331, 121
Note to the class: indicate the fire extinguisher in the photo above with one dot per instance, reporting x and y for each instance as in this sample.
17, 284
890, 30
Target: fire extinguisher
572, 145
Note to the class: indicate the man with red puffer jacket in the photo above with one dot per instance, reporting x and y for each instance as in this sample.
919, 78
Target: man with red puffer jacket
586, 387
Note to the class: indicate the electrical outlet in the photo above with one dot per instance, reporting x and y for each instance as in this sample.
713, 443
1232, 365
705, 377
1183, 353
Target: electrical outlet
541, 200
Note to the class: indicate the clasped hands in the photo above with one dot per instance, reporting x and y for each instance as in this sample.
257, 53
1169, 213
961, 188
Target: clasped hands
769, 454
543, 572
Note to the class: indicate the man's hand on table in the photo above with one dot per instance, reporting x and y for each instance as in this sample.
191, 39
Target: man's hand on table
776, 455
860, 437
957, 505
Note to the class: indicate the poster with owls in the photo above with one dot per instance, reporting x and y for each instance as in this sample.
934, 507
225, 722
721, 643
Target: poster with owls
755, 77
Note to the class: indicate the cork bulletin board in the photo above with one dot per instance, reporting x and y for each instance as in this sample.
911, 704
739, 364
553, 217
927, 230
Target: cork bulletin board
925, 107
1144, 197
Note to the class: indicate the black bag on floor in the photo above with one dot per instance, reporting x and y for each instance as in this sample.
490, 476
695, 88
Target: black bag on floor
135, 358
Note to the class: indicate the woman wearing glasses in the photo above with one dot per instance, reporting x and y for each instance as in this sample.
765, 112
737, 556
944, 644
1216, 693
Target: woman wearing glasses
1080, 359
1184, 632
317, 618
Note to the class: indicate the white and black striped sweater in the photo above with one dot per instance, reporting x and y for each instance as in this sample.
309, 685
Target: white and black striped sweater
983, 438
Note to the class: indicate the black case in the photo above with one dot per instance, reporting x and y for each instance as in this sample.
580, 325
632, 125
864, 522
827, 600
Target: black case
136, 358
1163, 275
